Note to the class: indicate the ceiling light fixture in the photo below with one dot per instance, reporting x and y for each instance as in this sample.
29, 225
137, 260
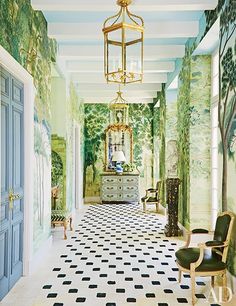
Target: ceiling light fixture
119, 110
123, 46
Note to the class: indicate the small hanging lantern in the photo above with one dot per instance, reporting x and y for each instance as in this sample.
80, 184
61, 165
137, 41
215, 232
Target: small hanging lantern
119, 110
123, 46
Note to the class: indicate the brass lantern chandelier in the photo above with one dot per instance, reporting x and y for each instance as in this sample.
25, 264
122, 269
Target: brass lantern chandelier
123, 46
119, 110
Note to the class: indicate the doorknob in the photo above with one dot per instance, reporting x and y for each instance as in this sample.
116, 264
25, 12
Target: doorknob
12, 197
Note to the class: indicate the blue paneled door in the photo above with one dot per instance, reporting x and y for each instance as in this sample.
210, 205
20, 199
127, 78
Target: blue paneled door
12, 181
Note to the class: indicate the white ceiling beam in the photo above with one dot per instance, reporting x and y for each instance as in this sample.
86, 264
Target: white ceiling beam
70, 31
138, 6
99, 78
114, 87
96, 52
96, 66
108, 100
112, 95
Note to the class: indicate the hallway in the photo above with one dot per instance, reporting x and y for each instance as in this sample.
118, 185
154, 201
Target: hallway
116, 256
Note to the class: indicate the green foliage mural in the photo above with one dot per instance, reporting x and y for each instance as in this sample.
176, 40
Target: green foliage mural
96, 121
183, 129
227, 115
75, 117
227, 87
23, 33
140, 119
162, 140
57, 169
193, 127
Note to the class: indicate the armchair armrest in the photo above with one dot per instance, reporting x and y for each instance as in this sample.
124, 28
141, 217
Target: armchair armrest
152, 190
213, 244
203, 246
199, 231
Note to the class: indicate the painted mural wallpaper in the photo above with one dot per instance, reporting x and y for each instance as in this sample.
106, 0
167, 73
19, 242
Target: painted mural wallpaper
200, 141
23, 33
171, 137
227, 89
96, 121
227, 115
161, 135
75, 120
183, 129
141, 121
193, 118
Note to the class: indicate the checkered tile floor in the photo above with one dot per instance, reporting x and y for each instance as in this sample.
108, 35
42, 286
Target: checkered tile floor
118, 256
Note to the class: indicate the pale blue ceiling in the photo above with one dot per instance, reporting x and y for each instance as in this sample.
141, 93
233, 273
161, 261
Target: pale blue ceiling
148, 41
101, 16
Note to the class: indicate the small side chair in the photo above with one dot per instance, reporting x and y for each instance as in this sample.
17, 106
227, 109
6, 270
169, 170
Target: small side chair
208, 259
152, 197
59, 217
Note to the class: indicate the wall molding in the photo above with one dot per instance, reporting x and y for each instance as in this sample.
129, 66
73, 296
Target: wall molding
40, 255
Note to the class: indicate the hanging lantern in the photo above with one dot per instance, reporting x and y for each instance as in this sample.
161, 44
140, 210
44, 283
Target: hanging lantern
123, 46
119, 110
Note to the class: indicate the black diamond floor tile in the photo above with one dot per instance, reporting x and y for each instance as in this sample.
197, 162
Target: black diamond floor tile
118, 249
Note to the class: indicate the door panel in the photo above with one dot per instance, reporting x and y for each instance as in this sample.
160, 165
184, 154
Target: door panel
4, 263
12, 180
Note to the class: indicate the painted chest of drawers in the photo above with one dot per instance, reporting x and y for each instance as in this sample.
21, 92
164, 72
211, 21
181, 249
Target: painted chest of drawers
119, 188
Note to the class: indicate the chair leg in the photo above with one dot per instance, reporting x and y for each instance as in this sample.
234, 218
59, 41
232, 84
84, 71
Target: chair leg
157, 207
225, 291
71, 228
144, 206
193, 287
180, 274
212, 281
65, 228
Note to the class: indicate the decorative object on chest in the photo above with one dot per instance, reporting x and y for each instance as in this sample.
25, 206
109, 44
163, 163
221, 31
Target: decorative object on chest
119, 188
172, 196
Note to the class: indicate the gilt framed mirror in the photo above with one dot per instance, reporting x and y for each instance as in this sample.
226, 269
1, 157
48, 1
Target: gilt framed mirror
119, 137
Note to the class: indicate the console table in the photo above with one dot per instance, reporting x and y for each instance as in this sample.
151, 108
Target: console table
117, 188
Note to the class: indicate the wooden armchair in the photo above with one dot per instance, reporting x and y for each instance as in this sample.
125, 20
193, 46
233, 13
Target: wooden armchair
152, 197
209, 259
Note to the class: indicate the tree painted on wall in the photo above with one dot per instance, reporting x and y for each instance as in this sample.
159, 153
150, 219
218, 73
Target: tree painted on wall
162, 137
227, 87
183, 140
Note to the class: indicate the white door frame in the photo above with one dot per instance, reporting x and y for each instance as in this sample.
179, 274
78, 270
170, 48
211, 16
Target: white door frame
12, 66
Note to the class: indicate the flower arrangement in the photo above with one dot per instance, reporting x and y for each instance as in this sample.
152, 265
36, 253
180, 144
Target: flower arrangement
129, 167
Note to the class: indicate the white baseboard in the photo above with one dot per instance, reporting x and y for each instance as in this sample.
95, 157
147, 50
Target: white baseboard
40, 255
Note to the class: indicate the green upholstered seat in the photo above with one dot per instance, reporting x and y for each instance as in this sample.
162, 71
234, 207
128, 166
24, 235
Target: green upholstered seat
211, 260
59, 215
150, 199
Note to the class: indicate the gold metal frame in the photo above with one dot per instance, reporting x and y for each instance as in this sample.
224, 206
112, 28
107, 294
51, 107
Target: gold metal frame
117, 128
122, 75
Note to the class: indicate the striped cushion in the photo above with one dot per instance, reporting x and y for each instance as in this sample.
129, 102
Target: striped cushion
59, 215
